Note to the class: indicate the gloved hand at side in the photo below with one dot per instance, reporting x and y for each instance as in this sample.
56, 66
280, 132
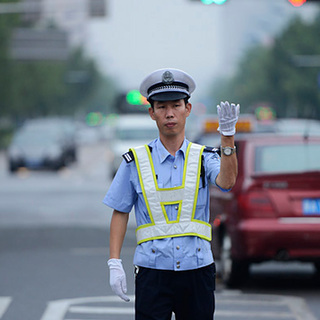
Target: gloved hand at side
118, 280
228, 117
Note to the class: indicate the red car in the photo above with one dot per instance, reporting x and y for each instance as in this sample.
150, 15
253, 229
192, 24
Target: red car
273, 211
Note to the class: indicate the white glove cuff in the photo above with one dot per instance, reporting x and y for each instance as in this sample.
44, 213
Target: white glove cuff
114, 263
228, 133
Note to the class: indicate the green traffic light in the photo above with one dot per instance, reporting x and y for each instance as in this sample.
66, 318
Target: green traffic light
134, 97
213, 1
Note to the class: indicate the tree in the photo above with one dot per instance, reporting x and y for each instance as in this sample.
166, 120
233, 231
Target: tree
41, 88
7, 23
272, 75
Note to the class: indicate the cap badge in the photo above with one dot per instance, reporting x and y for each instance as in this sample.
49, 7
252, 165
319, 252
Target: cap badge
167, 77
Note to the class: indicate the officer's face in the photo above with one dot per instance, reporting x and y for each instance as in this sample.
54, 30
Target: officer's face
170, 116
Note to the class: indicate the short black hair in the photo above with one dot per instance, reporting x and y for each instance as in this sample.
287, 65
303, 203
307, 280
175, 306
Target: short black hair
186, 101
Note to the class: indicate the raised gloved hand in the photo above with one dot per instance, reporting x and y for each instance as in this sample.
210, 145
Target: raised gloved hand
118, 280
228, 117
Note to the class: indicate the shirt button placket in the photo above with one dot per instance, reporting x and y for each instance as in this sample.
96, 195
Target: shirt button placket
178, 254
175, 175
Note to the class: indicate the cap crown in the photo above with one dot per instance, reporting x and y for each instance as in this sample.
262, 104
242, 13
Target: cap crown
167, 84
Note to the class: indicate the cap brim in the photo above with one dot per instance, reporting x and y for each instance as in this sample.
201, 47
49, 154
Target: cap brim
169, 96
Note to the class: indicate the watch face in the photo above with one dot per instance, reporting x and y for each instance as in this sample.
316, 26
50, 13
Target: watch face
227, 151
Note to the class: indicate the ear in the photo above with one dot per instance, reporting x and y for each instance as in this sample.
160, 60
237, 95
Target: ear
151, 113
188, 108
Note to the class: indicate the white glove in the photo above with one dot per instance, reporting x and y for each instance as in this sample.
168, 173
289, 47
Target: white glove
228, 117
118, 280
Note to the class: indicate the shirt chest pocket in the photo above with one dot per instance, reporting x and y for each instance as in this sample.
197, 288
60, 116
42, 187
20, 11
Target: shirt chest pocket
202, 193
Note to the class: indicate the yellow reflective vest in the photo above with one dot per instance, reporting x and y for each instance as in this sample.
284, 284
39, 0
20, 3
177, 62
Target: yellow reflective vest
185, 196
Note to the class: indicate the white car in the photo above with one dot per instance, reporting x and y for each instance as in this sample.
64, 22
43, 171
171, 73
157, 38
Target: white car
130, 130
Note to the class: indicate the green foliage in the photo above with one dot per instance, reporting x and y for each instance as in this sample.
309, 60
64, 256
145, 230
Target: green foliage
7, 22
40, 88
272, 75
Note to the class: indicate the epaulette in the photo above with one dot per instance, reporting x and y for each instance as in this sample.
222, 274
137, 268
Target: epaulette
129, 157
213, 150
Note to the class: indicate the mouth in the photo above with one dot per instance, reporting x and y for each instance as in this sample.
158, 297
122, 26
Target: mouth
170, 124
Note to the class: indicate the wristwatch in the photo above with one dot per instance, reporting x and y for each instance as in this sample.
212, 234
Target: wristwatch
228, 151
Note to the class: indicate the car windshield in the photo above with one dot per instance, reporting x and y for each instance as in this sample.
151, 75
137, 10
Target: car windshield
287, 158
137, 134
35, 138
299, 126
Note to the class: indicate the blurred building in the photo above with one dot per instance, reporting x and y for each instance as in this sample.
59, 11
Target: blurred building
131, 38
49, 28
71, 16
205, 40
245, 23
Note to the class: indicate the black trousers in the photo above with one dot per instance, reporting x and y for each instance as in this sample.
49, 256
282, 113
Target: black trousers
189, 294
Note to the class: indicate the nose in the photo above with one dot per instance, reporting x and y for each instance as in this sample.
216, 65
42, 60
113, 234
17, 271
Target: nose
169, 112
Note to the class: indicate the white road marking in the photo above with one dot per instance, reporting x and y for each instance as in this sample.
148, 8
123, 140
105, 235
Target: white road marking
297, 307
291, 307
4, 304
101, 310
57, 310
255, 315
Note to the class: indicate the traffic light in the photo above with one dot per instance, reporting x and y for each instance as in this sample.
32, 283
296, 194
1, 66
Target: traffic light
211, 1
135, 98
97, 8
299, 3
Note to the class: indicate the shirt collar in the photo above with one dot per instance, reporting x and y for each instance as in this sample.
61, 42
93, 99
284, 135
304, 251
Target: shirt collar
164, 153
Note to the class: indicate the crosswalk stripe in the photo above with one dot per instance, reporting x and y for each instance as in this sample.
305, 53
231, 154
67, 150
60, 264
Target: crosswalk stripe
4, 304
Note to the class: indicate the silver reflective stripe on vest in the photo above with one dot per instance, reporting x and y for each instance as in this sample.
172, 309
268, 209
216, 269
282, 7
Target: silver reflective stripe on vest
185, 196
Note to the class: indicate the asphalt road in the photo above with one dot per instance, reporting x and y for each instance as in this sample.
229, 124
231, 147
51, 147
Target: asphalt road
54, 246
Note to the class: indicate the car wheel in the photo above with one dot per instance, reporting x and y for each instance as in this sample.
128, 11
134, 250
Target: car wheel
233, 271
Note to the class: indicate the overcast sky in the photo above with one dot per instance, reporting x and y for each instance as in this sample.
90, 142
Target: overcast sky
139, 36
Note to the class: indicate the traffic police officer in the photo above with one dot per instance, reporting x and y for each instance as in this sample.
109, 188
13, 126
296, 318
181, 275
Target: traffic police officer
167, 183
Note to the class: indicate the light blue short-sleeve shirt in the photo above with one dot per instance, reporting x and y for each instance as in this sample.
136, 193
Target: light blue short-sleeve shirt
177, 253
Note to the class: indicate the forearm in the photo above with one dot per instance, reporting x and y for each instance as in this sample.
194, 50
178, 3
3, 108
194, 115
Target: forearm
118, 228
229, 165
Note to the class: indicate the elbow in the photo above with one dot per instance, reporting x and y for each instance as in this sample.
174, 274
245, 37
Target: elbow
226, 183
233, 182
228, 186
